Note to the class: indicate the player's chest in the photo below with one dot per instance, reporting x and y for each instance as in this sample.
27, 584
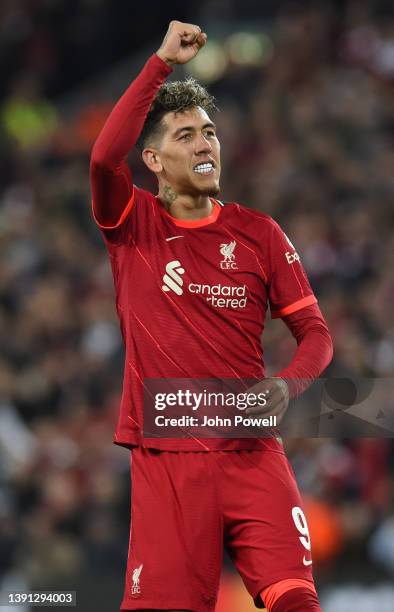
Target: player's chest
199, 269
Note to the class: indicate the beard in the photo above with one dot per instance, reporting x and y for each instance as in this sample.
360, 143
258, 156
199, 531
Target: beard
195, 188
211, 190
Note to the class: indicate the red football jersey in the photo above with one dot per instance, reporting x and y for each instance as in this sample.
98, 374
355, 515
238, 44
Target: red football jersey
192, 298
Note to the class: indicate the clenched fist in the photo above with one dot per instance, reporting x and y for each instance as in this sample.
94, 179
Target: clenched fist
181, 43
276, 391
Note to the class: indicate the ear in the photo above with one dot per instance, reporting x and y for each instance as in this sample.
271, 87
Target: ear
151, 158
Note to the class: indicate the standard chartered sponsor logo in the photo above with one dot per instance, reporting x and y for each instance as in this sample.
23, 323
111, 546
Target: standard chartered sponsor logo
220, 296
172, 278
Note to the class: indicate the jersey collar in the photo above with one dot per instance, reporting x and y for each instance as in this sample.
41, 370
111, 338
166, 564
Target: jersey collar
192, 223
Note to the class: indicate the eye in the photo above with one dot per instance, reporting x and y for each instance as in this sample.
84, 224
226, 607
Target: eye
210, 133
185, 137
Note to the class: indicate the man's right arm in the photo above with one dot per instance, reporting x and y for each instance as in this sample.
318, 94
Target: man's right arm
110, 176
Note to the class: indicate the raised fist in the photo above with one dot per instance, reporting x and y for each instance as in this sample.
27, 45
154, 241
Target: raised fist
181, 43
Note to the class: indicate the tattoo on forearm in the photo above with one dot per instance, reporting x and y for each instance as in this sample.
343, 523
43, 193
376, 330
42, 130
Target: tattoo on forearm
169, 195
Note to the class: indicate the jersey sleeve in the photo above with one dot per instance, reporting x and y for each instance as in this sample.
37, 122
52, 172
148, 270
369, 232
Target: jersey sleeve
117, 233
289, 289
126, 212
113, 194
133, 222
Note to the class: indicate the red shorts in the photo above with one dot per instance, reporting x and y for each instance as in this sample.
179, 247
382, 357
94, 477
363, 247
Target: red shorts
187, 505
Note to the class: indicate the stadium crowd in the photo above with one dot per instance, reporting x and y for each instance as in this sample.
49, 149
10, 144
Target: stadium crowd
309, 139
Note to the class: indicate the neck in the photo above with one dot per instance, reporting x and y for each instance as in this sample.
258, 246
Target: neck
181, 206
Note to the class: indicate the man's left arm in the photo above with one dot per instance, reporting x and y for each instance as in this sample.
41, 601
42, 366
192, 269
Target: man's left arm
313, 354
314, 349
292, 299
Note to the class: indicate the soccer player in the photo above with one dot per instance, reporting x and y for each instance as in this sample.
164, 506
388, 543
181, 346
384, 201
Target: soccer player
191, 496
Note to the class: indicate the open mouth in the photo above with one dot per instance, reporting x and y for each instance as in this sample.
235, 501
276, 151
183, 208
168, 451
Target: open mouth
204, 168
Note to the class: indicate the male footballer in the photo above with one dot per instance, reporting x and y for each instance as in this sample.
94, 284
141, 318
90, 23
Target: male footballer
184, 315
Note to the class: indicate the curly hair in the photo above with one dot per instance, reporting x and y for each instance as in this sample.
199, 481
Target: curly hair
176, 97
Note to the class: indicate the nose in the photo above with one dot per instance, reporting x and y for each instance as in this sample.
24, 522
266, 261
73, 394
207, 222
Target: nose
202, 145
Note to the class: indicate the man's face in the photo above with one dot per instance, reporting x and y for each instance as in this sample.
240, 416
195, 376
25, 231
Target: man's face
190, 153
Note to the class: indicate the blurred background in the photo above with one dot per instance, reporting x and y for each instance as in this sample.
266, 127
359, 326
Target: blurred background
306, 91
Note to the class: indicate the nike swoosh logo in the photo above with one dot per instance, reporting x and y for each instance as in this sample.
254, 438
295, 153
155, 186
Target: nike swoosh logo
174, 238
306, 562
